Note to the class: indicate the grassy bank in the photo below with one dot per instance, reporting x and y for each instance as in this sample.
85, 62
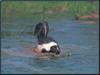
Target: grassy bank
47, 9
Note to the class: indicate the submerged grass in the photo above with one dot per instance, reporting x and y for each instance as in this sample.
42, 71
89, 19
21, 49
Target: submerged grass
47, 9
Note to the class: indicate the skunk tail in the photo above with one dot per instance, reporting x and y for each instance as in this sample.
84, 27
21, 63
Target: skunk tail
41, 29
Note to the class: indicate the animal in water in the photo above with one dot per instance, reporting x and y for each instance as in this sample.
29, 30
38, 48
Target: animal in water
46, 44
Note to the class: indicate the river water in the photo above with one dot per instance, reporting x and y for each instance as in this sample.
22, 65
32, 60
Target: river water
17, 41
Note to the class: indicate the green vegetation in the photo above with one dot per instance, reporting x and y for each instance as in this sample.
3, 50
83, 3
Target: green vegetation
39, 9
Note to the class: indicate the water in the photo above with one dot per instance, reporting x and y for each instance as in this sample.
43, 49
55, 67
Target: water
17, 41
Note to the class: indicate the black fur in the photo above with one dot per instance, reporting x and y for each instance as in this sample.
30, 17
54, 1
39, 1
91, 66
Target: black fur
55, 49
44, 51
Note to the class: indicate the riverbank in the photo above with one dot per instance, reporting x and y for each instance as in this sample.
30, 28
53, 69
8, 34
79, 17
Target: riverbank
47, 9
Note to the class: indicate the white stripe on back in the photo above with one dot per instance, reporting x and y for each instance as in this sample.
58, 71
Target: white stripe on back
47, 46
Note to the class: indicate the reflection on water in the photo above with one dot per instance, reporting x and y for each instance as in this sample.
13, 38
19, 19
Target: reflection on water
80, 39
